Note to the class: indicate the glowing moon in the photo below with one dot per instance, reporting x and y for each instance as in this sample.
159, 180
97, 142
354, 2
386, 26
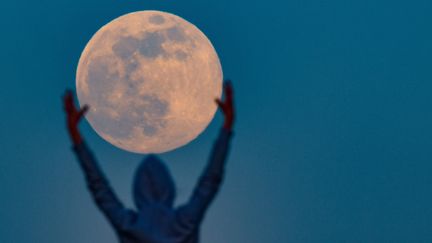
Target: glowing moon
150, 79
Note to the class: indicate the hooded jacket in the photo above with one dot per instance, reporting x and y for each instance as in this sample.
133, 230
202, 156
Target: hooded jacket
156, 220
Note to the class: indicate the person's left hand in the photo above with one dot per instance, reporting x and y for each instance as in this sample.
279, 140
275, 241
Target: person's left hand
73, 116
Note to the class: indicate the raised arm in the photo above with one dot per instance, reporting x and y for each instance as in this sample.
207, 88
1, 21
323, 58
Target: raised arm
210, 180
98, 185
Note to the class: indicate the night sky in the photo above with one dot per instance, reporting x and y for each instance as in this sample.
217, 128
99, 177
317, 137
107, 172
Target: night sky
333, 140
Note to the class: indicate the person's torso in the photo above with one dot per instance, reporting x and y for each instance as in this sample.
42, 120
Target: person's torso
155, 225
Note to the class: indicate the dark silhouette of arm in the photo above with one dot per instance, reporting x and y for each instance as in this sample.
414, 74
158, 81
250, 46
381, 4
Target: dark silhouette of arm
209, 183
98, 185
100, 189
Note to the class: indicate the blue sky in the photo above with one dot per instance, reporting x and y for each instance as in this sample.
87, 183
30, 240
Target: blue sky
333, 135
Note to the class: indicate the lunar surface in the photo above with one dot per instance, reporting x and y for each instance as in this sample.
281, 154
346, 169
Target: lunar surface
150, 79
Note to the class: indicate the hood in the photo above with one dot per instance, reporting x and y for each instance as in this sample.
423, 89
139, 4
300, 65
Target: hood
153, 184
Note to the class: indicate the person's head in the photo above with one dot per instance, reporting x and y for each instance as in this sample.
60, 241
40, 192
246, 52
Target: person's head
153, 184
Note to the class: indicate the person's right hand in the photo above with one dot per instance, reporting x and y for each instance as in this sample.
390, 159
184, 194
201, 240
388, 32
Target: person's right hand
73, 116
227, 106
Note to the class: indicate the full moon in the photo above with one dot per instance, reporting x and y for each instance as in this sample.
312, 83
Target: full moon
150, 79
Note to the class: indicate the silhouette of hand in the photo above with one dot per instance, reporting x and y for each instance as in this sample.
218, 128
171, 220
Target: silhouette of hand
73, 116
227, 106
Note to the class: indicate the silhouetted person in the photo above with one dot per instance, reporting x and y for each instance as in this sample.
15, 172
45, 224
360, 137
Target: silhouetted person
156, 220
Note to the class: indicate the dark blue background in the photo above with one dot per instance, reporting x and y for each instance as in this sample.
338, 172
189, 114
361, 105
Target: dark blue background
333, 139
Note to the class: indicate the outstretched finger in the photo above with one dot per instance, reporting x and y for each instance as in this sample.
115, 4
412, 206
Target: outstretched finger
219, 103
68, 101
68, 95
228, 91
83, 111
